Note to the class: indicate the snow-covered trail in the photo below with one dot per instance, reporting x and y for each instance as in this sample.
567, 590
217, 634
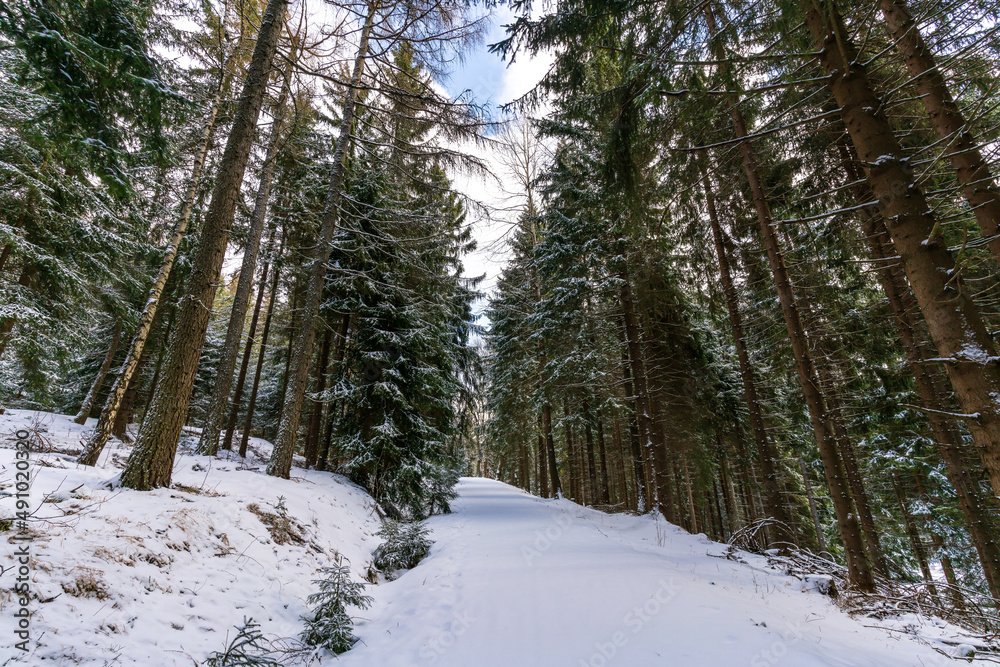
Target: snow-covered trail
518, 581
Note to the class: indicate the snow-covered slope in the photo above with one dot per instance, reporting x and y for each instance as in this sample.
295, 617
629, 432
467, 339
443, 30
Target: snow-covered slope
161, 578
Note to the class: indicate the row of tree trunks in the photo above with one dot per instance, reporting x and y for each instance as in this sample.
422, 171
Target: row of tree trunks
652, 448
284, 447
339, 355
765, 451
851, 469
234, 409
316, 415
261, 354
638, 462
938, 542
955, 325
109, 414
859, 569
914, 536
209, 440
605, 488
974, 504
151, 462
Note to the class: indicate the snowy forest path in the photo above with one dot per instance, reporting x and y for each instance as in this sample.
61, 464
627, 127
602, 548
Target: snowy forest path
517, 581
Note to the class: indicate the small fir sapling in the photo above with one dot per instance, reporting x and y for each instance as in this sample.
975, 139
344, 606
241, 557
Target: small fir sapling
329, 626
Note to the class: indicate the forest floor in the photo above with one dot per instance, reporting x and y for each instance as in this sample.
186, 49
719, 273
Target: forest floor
161, 578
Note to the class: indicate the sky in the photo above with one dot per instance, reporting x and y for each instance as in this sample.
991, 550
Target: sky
492, 81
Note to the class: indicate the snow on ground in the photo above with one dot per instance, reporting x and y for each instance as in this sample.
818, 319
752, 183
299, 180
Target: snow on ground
160, 578
517, 580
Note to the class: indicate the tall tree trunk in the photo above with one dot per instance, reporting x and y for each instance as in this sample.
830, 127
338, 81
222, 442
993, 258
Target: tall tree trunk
280, 464
109, 414
956, 327
765, 452
152, 460
914, 535
95, 387
820, 540
978, 184
655, 453
316, 417
634, 435
252, 403
605, 494
209, 441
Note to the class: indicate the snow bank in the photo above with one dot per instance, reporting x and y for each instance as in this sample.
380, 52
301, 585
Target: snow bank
159, 578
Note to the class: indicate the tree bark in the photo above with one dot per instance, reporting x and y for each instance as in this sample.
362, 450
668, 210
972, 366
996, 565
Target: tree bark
209, 441
95, 387
956, 327
152, 460
978, 184
280, 464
